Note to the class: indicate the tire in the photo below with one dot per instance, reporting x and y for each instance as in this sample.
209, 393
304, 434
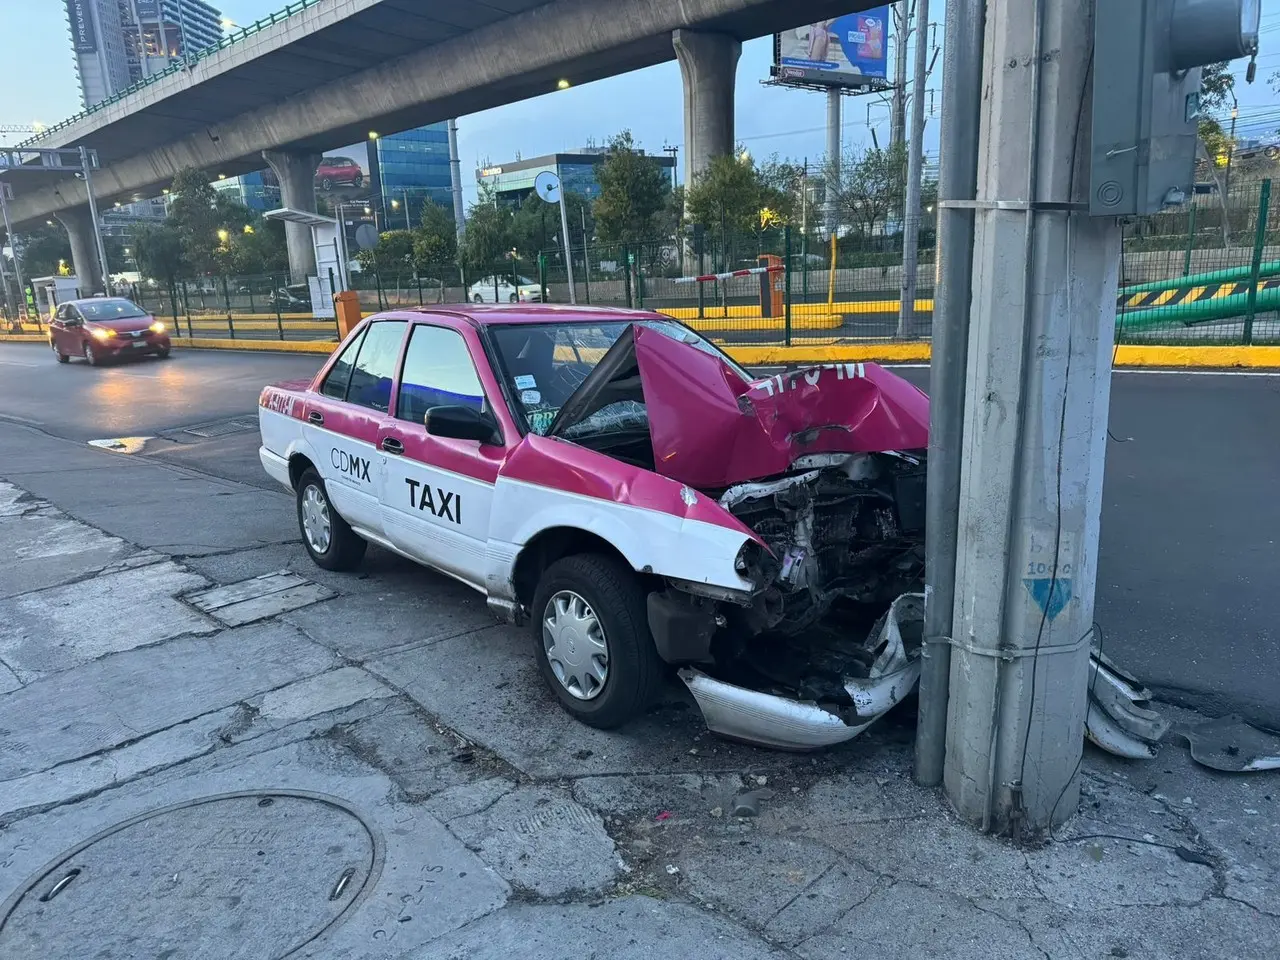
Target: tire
326, 184
358, 179
344, 549
1271, 153
614, 596
163, 353
93, 359
477, 299
514, 298
62, 357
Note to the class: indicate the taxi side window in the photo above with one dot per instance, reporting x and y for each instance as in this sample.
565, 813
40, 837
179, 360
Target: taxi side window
335, 384
375, 365
438, 371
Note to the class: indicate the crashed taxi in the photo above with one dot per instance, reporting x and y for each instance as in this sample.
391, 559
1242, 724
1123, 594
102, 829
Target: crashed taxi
617, 482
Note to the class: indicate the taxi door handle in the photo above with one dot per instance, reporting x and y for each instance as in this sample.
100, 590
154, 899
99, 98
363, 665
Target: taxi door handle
315, 416
392, 445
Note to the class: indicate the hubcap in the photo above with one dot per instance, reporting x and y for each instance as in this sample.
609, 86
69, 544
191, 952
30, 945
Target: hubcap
315, 519
575, 645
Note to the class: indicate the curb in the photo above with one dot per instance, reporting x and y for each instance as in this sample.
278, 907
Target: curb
1126, 355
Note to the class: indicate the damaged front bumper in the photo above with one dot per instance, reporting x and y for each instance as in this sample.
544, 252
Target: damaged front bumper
774, 720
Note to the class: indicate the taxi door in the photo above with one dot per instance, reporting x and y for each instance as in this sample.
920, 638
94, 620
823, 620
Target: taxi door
342, 426
438, 494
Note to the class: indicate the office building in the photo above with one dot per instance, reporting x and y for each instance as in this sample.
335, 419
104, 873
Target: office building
119, 42
407, 170
513, 182
257, 191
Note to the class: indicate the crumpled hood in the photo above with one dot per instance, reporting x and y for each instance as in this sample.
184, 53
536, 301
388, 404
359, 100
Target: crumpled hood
710, 428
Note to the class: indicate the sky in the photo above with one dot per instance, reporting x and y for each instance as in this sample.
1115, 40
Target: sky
769, 120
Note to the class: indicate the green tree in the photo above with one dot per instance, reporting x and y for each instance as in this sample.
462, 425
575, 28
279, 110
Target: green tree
535, 227
869, 187
43, 249
488, 239
158, 248
1217, 87
731, 193
633, 193
392, 255
206, 221
435, 241
259, 247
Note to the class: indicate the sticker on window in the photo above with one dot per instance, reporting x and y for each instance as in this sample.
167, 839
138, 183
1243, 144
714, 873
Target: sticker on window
525, 381
530, 396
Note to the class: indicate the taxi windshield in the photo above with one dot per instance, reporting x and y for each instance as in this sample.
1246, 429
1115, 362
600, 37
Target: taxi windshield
114, 308
545, 363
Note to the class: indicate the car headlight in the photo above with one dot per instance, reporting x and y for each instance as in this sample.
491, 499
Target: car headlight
102, 333
157, 327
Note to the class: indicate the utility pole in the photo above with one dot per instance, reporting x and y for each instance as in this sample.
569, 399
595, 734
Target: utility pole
93, 216
13, 245
915, 160
673, 151
1041, 327
833, 161
898, 107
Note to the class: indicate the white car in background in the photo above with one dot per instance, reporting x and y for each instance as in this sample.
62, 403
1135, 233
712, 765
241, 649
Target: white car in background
502, 290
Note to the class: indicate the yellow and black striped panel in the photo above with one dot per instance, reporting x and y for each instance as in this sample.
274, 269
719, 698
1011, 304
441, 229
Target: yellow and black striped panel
1176, 295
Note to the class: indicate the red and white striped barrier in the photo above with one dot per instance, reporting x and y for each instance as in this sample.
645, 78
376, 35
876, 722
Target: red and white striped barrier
749, 272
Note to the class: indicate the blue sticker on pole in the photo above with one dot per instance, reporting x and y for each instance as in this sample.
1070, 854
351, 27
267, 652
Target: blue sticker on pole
1051, 595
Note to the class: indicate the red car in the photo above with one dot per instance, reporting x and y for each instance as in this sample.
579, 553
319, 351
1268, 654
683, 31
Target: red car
104, 328
615, 481
338, 172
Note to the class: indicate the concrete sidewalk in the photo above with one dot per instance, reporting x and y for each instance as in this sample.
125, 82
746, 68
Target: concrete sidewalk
367, 765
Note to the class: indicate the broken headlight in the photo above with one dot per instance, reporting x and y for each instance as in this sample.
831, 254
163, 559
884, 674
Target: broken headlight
750, 560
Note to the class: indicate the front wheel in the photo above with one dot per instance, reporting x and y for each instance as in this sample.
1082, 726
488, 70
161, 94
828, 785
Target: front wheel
592, 642
331, 543
163, 353
90, 355
514, 298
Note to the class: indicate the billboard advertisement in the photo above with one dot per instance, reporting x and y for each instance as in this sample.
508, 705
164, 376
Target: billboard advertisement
848, 51
84, 39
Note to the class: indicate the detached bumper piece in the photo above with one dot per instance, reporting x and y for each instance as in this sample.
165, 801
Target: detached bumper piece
773, 720
1120, 719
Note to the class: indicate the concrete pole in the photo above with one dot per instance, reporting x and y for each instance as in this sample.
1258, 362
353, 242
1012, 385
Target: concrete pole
13, 245
833, 162
455, 180
915, 162
84, 261
708, 64
93, 220
296, 174
898, 107
1034, 437
957, 179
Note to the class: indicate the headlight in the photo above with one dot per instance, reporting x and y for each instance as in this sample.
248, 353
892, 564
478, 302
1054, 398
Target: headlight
748, 559
157, 327
102, 333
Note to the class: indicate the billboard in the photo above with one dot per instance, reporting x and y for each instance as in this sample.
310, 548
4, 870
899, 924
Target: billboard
848, 51
84, 39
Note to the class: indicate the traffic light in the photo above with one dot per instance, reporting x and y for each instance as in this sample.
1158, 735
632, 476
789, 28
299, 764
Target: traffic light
1146, 95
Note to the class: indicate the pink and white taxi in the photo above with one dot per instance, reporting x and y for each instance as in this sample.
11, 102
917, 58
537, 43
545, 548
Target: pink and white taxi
619, 483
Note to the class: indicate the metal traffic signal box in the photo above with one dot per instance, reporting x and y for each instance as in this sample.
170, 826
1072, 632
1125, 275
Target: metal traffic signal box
1146, 95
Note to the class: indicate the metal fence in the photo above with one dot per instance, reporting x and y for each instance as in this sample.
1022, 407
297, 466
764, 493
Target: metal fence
1207, 272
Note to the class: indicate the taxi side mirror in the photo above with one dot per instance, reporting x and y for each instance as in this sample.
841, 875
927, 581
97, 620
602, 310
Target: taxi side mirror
460, 422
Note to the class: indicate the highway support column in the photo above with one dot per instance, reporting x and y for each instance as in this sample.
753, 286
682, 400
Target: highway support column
296, 173
78, 223
708, 64
1037, 391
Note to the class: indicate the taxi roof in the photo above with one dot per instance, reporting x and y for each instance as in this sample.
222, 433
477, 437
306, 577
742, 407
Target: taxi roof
492, 314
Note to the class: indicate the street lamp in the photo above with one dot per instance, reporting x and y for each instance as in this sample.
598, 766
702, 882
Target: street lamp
224, 236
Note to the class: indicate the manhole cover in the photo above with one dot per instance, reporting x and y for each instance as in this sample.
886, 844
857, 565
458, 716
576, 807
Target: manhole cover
232, 877
223, 428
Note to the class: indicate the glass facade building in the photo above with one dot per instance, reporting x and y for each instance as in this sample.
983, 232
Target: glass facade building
513, 182
408, 169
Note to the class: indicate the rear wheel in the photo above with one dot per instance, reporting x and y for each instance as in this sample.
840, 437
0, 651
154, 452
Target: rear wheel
91, 355
62, 357
477, 299
331, 543
592, 642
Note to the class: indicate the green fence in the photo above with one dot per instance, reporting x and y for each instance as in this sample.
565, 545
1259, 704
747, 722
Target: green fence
1204, 273
247, 307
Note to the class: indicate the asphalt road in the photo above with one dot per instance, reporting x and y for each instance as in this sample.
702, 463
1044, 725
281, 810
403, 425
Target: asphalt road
1188, 573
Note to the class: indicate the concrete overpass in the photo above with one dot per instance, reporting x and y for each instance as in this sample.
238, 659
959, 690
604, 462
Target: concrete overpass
327, 75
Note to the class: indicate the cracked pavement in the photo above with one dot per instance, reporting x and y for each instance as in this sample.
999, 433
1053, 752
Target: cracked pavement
381, 773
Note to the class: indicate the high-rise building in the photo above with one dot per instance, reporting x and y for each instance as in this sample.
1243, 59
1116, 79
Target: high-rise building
119, 42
